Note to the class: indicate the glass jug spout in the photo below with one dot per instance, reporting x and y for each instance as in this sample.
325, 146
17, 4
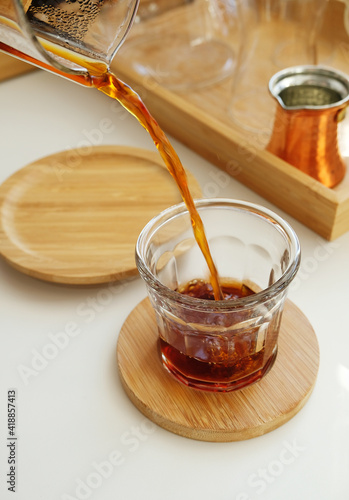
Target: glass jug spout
74, 38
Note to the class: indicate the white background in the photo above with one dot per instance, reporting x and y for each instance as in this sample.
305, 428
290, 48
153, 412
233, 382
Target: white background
74, 418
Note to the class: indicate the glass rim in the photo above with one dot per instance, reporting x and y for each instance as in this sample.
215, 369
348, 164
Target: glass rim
194, 302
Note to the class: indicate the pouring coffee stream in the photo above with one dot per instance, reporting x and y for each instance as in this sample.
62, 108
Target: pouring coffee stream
95, 73
115, 88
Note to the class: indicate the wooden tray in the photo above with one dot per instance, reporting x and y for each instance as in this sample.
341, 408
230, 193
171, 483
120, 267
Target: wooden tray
218, 417
200, 119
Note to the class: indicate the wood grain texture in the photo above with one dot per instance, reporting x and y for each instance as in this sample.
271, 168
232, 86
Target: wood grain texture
8, 10
201, 120
218, 417
74, 217
11, 67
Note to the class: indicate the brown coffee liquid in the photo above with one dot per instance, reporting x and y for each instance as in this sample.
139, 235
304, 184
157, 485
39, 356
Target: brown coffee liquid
118, 90
217, 361
100, 78
201, 289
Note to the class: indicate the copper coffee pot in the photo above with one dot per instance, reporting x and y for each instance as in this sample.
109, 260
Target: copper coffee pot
311, 102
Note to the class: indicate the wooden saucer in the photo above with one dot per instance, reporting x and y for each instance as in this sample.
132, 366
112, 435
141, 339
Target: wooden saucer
74, 217
218, 417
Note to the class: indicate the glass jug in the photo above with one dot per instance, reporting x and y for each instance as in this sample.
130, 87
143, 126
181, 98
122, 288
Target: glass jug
74, 38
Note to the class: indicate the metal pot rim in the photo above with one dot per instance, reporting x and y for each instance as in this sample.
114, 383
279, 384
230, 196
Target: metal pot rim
320, 76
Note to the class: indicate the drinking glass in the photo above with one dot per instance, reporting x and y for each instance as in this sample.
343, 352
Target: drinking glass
184, 44
219, 345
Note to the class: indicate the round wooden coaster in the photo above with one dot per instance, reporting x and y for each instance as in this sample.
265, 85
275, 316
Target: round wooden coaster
218, 417
74, 217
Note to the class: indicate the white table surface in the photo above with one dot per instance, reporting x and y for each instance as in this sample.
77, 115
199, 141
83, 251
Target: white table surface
78, 434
